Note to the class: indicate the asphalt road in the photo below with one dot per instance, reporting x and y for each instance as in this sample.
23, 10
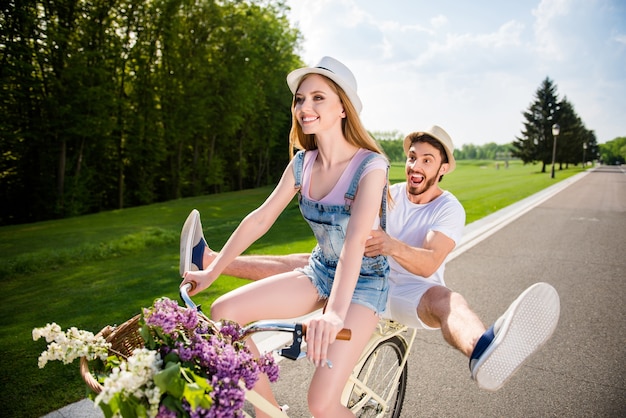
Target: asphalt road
573, 238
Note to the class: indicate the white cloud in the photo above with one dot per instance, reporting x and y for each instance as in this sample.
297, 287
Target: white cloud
473, 67
439, 21
546, 30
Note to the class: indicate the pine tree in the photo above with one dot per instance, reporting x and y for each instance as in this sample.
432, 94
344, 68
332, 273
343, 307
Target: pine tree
535, 143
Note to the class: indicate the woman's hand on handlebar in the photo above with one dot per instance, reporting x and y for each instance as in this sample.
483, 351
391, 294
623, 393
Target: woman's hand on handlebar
199, 280
320, 333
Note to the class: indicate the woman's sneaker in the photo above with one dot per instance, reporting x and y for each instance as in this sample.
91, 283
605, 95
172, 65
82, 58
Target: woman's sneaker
525, 326
192, 244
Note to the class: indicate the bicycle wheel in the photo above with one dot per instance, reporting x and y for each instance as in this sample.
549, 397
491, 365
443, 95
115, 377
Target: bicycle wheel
377, 374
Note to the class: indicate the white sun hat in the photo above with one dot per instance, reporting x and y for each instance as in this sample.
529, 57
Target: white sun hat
333, 69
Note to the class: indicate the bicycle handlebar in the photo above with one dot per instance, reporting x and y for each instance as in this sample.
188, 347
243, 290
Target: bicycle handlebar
258, 326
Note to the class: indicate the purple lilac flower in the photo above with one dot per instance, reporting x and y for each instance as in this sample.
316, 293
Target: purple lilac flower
231, 329
202, 329
164, 350
228, 398
170, 317
165, 412
268, 365
199, 412
185, 353
205, 351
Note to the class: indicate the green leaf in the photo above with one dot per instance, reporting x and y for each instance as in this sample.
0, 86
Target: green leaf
202, 382
106, 410
169, 380
197, 393
145, 333
173, 404
127, 409
171, 357
113, 405
141, 410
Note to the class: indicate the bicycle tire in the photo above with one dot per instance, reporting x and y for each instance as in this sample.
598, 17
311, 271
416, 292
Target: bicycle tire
376, 373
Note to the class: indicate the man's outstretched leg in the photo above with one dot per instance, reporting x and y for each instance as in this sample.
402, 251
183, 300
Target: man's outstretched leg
498, 352
441, 308
195, 254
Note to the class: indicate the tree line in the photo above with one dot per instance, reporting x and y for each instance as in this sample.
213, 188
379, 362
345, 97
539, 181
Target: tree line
613, 152
392, 143
109, 104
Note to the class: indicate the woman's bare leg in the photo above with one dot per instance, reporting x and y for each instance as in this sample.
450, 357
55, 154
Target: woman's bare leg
327, 385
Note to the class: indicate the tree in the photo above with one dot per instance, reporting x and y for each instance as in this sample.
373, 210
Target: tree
392, 142
537, 142
614, 151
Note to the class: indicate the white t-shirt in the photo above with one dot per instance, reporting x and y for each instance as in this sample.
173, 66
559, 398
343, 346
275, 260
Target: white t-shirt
410, 222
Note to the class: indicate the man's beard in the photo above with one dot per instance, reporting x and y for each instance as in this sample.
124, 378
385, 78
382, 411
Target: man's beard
423, 187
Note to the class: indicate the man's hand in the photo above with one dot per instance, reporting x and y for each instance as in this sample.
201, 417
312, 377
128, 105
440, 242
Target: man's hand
379, 243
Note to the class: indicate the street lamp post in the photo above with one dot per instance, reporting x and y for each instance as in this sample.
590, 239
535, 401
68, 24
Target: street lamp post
584, 150
555, 134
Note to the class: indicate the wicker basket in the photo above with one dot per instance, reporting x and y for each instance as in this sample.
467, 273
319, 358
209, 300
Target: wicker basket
124, 339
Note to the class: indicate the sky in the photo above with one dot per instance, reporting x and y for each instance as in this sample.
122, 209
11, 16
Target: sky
473, 67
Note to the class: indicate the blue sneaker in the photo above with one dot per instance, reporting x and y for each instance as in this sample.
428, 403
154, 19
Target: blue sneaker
525, 326
192, 244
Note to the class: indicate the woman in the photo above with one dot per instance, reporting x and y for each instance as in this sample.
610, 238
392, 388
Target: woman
342, 179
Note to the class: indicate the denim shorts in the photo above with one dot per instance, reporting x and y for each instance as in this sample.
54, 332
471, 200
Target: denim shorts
372, 286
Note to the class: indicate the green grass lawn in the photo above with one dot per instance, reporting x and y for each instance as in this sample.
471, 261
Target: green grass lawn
100, 269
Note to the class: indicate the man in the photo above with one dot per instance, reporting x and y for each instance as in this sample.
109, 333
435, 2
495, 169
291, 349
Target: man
424, 224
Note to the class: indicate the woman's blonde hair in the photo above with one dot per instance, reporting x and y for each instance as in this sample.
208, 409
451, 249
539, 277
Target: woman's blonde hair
353, 129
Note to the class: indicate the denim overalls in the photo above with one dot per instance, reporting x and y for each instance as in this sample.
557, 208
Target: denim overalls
329, 224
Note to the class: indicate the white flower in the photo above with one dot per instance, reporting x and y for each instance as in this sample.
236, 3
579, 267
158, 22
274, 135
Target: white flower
134, 377
70, 345
49, 332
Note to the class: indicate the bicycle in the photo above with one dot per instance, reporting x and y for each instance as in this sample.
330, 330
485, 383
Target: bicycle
377, 385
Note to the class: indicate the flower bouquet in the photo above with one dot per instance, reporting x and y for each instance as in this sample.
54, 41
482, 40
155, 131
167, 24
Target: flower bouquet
168, 361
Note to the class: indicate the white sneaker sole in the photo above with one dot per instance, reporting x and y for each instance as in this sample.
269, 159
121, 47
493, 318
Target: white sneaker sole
186, 241
526, 326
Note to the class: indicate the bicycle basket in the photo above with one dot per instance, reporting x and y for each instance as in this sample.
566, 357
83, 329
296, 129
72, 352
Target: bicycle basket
124, 339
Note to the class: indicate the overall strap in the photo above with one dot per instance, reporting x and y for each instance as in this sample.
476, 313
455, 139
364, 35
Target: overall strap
298, 163
355, 180
383, 215
355, 183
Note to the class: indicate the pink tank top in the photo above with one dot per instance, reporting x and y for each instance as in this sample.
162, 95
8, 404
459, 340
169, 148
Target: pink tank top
336, 196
